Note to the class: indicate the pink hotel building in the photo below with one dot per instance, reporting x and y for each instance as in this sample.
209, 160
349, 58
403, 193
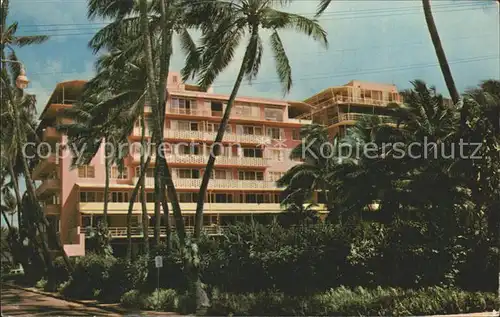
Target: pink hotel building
243, 185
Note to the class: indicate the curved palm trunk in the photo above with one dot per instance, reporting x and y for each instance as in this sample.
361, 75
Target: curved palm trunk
145, 219
143, 7
443, 63
211, 160
30, 187
160, 161
166, 53
131, 207
17, 192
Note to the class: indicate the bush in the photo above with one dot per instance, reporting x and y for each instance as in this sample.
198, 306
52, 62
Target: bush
90, 276
41, 284
163, 299
350, 302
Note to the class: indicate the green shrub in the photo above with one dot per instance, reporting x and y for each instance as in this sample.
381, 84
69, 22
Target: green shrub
62, 274
133, 299
90, 275
343, 301
163, 300
41, 284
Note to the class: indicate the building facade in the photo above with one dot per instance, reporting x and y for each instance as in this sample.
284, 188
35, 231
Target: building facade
254, 154
340, 107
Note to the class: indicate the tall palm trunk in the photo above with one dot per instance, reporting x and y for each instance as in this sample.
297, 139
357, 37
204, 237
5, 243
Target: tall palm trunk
107, 167
218, 139
17, 193
443, 63
145, 218
151, 84
131, 203
153, 97
32, 196
166, 53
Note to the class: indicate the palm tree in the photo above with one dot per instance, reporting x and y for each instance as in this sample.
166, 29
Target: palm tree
16, 105
441, 56
8, 38
162, 20
436, 41
303, 180
224, 24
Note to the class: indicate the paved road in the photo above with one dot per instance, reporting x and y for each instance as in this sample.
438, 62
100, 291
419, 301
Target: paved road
17, 302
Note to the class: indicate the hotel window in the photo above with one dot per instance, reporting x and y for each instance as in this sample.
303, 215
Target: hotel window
254, 198
188, 197
184, 149
251, 175
246, 111
221, 174
117, 174
252, 153
275, 133
183, 106
150, 172
276, 155
249, 130
296, 134
188, 173
86, 171
275, 176
187, 126
119, 197
87, 197
221, 198
214, 127
273, 114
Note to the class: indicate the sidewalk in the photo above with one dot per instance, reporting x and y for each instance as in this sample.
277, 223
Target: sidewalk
18, 300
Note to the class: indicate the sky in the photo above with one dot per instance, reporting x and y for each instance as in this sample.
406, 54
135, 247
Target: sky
370, 40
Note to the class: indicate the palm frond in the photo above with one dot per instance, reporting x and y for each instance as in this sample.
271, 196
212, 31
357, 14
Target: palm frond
283, 68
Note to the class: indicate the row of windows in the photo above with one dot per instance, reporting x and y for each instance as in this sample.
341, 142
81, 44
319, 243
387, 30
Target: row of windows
88, 171
190, 197
216, 174
184, 173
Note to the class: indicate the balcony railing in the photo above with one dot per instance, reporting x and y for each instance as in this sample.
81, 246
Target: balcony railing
203, 159
221, 160
121, 232
51, 209
51, 133
356, 117
48, 186
364, 101
190, 183
210, 136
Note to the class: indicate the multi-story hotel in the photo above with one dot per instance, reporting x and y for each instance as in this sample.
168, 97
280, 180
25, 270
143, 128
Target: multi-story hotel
256, 153
256, 149
340, 107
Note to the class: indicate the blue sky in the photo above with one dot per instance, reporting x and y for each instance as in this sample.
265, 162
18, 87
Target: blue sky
383, 41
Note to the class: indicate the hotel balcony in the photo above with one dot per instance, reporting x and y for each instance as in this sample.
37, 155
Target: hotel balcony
136, 232
51, 134
351, 118
210, 136
52, 209
203, 159
187, 208
364, 101
44, 167
48, 186
190, 183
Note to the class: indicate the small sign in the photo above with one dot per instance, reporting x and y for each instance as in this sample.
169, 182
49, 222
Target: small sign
158, 261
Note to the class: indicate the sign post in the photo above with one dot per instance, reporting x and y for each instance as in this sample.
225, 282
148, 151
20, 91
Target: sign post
158, 264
